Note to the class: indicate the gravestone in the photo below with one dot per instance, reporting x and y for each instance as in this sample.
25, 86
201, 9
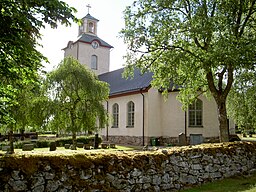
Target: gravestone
67, 146
96, 141
6, 148
28, 147
53, 146
104, 146
80, 145
182, 139
87, 146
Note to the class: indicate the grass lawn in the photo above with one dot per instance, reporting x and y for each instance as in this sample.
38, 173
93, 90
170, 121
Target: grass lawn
253, 139
233, 184
79, 150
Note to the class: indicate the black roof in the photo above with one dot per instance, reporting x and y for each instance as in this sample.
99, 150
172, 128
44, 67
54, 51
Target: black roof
88, 16
119, 85
87, 38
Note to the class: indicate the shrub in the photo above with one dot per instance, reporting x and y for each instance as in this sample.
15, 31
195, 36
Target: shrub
82, 139
18, 144
60, 142
42, 143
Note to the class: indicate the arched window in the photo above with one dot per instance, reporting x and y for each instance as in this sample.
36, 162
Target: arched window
94, 62
115, 112
130, 114
195, 114
91, 27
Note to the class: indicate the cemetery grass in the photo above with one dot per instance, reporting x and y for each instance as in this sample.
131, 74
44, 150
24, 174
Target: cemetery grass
233, 184
62, 150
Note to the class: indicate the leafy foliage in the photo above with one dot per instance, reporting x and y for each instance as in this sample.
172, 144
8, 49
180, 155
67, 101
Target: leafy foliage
241, 102
77, 97
20, 23
197, 44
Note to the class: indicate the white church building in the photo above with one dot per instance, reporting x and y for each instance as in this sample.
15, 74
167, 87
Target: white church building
139, 113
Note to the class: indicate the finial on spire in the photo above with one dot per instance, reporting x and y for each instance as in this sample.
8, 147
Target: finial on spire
88, 6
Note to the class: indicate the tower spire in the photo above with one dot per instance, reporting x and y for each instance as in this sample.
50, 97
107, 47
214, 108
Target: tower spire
88, 6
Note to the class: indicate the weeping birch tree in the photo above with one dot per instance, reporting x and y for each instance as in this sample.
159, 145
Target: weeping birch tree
77, 98
198, 44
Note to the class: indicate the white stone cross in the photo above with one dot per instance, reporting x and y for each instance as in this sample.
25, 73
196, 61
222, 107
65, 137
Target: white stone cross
88, 6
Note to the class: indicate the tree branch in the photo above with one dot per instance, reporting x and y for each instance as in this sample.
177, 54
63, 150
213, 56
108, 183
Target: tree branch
247, 18
188, 9
230, 81
197, 43
213, 9
211, 85
186, 51
239, 17
220, 75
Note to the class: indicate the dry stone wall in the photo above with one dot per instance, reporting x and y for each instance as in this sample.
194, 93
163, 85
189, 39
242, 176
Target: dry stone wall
161, 170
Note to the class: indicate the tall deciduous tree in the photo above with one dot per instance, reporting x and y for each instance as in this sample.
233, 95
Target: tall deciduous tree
30, 109
198, 44
20, 24
78, 97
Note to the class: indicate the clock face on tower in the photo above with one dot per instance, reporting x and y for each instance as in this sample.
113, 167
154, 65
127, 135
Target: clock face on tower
95, 44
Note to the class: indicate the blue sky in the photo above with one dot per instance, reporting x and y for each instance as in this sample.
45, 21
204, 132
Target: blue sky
110, 14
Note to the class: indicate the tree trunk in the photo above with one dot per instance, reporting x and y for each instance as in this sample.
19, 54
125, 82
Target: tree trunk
11, 141
74, 140
73, 129
223, 121
220, 96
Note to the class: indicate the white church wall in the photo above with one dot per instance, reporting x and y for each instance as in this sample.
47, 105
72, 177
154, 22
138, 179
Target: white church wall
154, 113
162, 118
71, 51
102, 53
167, 119
210, 119
122, 130
173, 117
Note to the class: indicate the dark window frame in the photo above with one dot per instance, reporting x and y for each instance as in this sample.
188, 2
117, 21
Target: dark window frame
130, 114
115, 113
195, 114
94, 65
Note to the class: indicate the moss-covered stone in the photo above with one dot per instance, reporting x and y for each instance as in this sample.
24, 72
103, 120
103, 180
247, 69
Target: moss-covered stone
116, 170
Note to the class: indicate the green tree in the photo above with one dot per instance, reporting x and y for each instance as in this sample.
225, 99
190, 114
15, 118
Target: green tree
31, 109
78, 98
20, 25
198, 44
35, 106
241, 101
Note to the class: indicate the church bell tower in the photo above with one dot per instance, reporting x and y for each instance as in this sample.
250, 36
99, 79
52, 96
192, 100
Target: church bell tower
89, 49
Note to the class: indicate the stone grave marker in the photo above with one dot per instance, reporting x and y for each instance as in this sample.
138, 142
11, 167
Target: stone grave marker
28, 147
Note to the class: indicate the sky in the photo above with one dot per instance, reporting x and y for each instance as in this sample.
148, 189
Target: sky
111, 21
